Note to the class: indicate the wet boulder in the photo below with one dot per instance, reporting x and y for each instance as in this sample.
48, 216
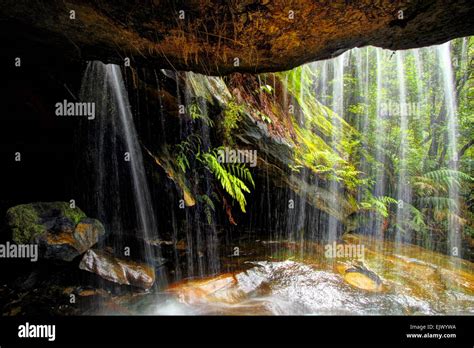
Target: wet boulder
61, 232
67, 243
27, 221
359, 276
223, 288
120, 271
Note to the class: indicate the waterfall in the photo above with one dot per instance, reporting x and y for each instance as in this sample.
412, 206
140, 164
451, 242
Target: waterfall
103, 159
390, 99
419, 73
116, 151
324, 82
362, 79
362, 99
386, 124
202, 244
144, 210
380, 138
338, 109
444, 52
403, 187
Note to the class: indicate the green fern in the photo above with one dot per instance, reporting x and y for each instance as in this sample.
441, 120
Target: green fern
448, 177
438, 203
241, 171
185, 148
215, 196
230, 179
380, 204
231, 118
196, 113
416, 222
209, 206
182, 162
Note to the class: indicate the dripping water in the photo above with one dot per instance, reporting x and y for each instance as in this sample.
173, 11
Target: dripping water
118, 157
444, 52
403, 186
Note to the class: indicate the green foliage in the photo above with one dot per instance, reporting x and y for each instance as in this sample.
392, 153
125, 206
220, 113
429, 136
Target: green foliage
295, 167
414, 220
232, 116
209, 207
380, 204
315, 148
25, 220
264, 117
266, 88
438, 203
357, 109
360, 148
187, 148
434, 205
194, 110
433, 188
24, 223
448, 177
230, 178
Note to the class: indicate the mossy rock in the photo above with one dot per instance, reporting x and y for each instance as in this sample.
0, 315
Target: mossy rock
26, 221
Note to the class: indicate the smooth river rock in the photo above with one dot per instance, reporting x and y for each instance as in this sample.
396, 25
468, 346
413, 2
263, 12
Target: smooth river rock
117, 270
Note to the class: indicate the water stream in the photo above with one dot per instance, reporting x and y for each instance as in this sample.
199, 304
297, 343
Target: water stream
454, 247
360, 96
117, 155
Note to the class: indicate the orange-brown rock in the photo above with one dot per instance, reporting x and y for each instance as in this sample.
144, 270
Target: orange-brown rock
219, 37
61, 231
67, 244
222, 288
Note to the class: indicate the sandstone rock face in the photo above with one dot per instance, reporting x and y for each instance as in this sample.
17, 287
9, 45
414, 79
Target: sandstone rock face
61, 232
221, 37
67, 244
118, 270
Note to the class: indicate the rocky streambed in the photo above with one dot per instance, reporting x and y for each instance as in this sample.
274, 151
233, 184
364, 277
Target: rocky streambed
390, 280
80, 272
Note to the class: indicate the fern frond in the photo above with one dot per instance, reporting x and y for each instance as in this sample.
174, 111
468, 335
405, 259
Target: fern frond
230, 176
438, 203
209, 207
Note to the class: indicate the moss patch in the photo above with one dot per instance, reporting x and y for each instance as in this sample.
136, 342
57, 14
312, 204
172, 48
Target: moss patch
26, 220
